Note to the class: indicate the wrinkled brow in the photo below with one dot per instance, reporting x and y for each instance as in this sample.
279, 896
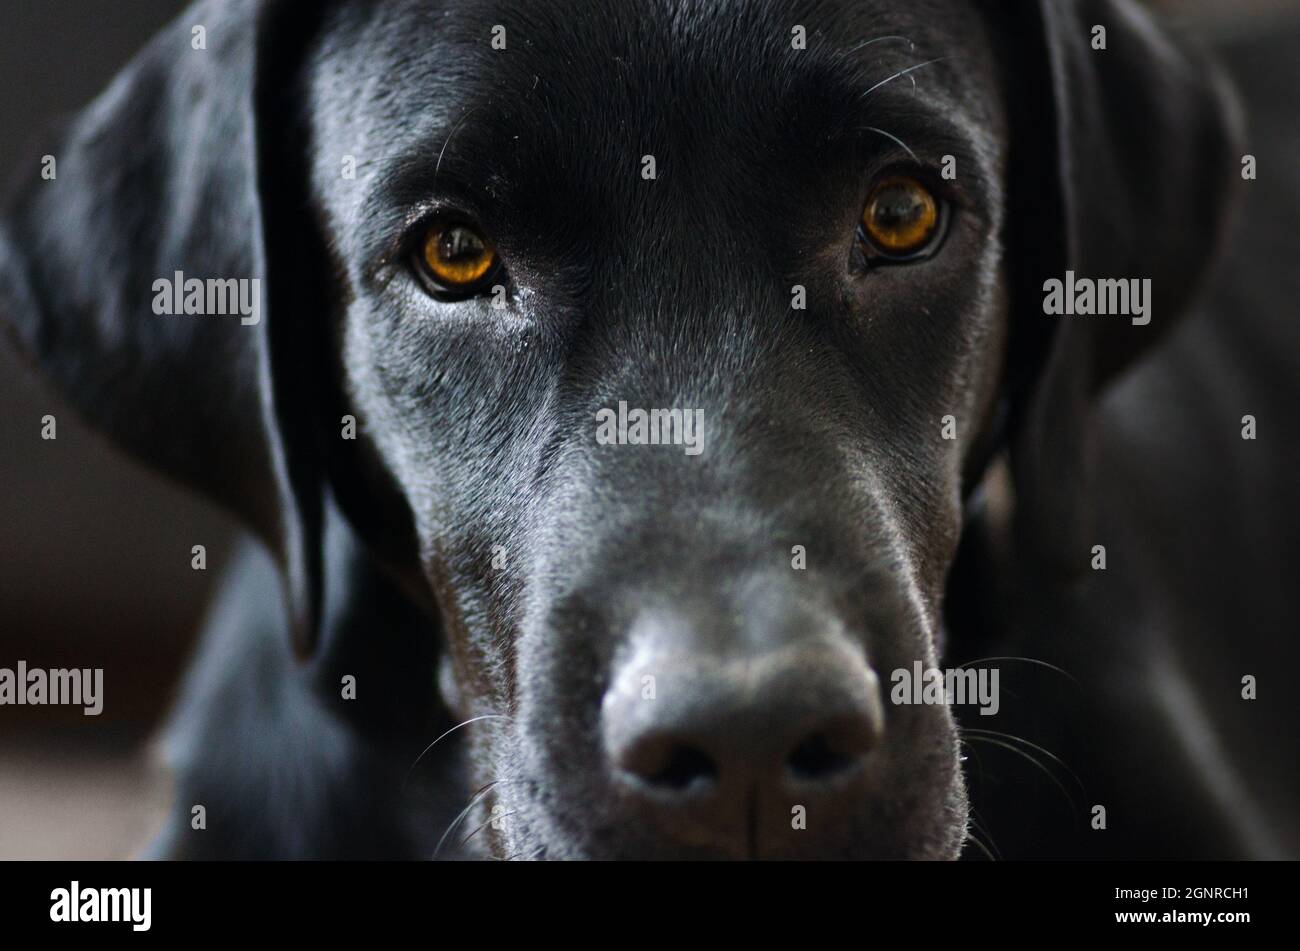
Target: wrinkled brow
857, 106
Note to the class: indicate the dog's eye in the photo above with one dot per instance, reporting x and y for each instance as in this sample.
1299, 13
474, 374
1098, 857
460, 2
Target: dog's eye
901, 220
456, 258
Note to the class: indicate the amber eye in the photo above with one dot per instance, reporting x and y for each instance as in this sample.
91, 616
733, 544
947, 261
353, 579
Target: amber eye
901, 219
456, 257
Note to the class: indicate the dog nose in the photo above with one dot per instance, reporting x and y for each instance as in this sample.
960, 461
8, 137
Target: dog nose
700, 743
757, 743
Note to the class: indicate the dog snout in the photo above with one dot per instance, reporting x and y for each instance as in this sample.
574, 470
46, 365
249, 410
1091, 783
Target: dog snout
720, 724
713, 747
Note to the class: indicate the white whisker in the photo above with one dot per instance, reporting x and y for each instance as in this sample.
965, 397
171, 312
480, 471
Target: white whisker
881, 39
893, 138
488, 716
902, 72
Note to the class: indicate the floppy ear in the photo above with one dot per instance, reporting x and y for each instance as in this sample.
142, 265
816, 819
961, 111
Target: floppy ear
1123, 163
161, 176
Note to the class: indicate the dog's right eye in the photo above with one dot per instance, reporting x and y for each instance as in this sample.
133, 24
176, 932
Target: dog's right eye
455, 260
903, 220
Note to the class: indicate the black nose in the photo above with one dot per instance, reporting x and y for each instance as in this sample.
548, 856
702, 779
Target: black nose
698, 743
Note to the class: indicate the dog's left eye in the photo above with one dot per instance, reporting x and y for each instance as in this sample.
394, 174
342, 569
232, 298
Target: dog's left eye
902, 220
455, 259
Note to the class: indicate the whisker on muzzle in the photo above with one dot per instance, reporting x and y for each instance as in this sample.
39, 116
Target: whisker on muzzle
460, 816
425, 752
474, 800
1033, 746
994, 738
1024, 660
483, 825
975, 830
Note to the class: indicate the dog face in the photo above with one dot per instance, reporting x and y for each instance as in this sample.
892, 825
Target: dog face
641, 612
793, 236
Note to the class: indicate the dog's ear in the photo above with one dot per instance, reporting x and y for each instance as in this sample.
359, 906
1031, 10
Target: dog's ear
162, 176
1122, 166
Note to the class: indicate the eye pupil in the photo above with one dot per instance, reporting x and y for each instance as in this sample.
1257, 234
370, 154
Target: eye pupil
901, 217
457, 257
460, 244
898, 208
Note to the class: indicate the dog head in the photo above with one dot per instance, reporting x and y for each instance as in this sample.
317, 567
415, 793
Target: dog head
676, 337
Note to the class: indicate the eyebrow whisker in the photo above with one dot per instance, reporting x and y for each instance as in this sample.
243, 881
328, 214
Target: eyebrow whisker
881, 39
459, 122
903, 72
893, 138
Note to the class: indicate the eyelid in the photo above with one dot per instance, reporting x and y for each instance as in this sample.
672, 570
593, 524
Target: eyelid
408, 230
878, 157
944, 190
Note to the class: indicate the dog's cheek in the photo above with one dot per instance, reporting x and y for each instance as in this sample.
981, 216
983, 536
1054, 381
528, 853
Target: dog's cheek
449, 688
557, 760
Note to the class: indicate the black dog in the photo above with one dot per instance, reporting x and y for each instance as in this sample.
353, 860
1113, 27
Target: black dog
820, 231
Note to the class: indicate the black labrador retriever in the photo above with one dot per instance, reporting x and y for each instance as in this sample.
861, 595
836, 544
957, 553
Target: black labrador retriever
623, 395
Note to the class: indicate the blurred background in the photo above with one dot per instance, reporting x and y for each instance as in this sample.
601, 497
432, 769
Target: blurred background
95, 551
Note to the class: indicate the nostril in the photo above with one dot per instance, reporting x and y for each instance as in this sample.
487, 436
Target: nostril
685, 767
828, 753
671, 766
815, 758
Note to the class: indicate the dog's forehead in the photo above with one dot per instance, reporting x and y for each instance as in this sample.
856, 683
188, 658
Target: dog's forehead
576, 35
557, 97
